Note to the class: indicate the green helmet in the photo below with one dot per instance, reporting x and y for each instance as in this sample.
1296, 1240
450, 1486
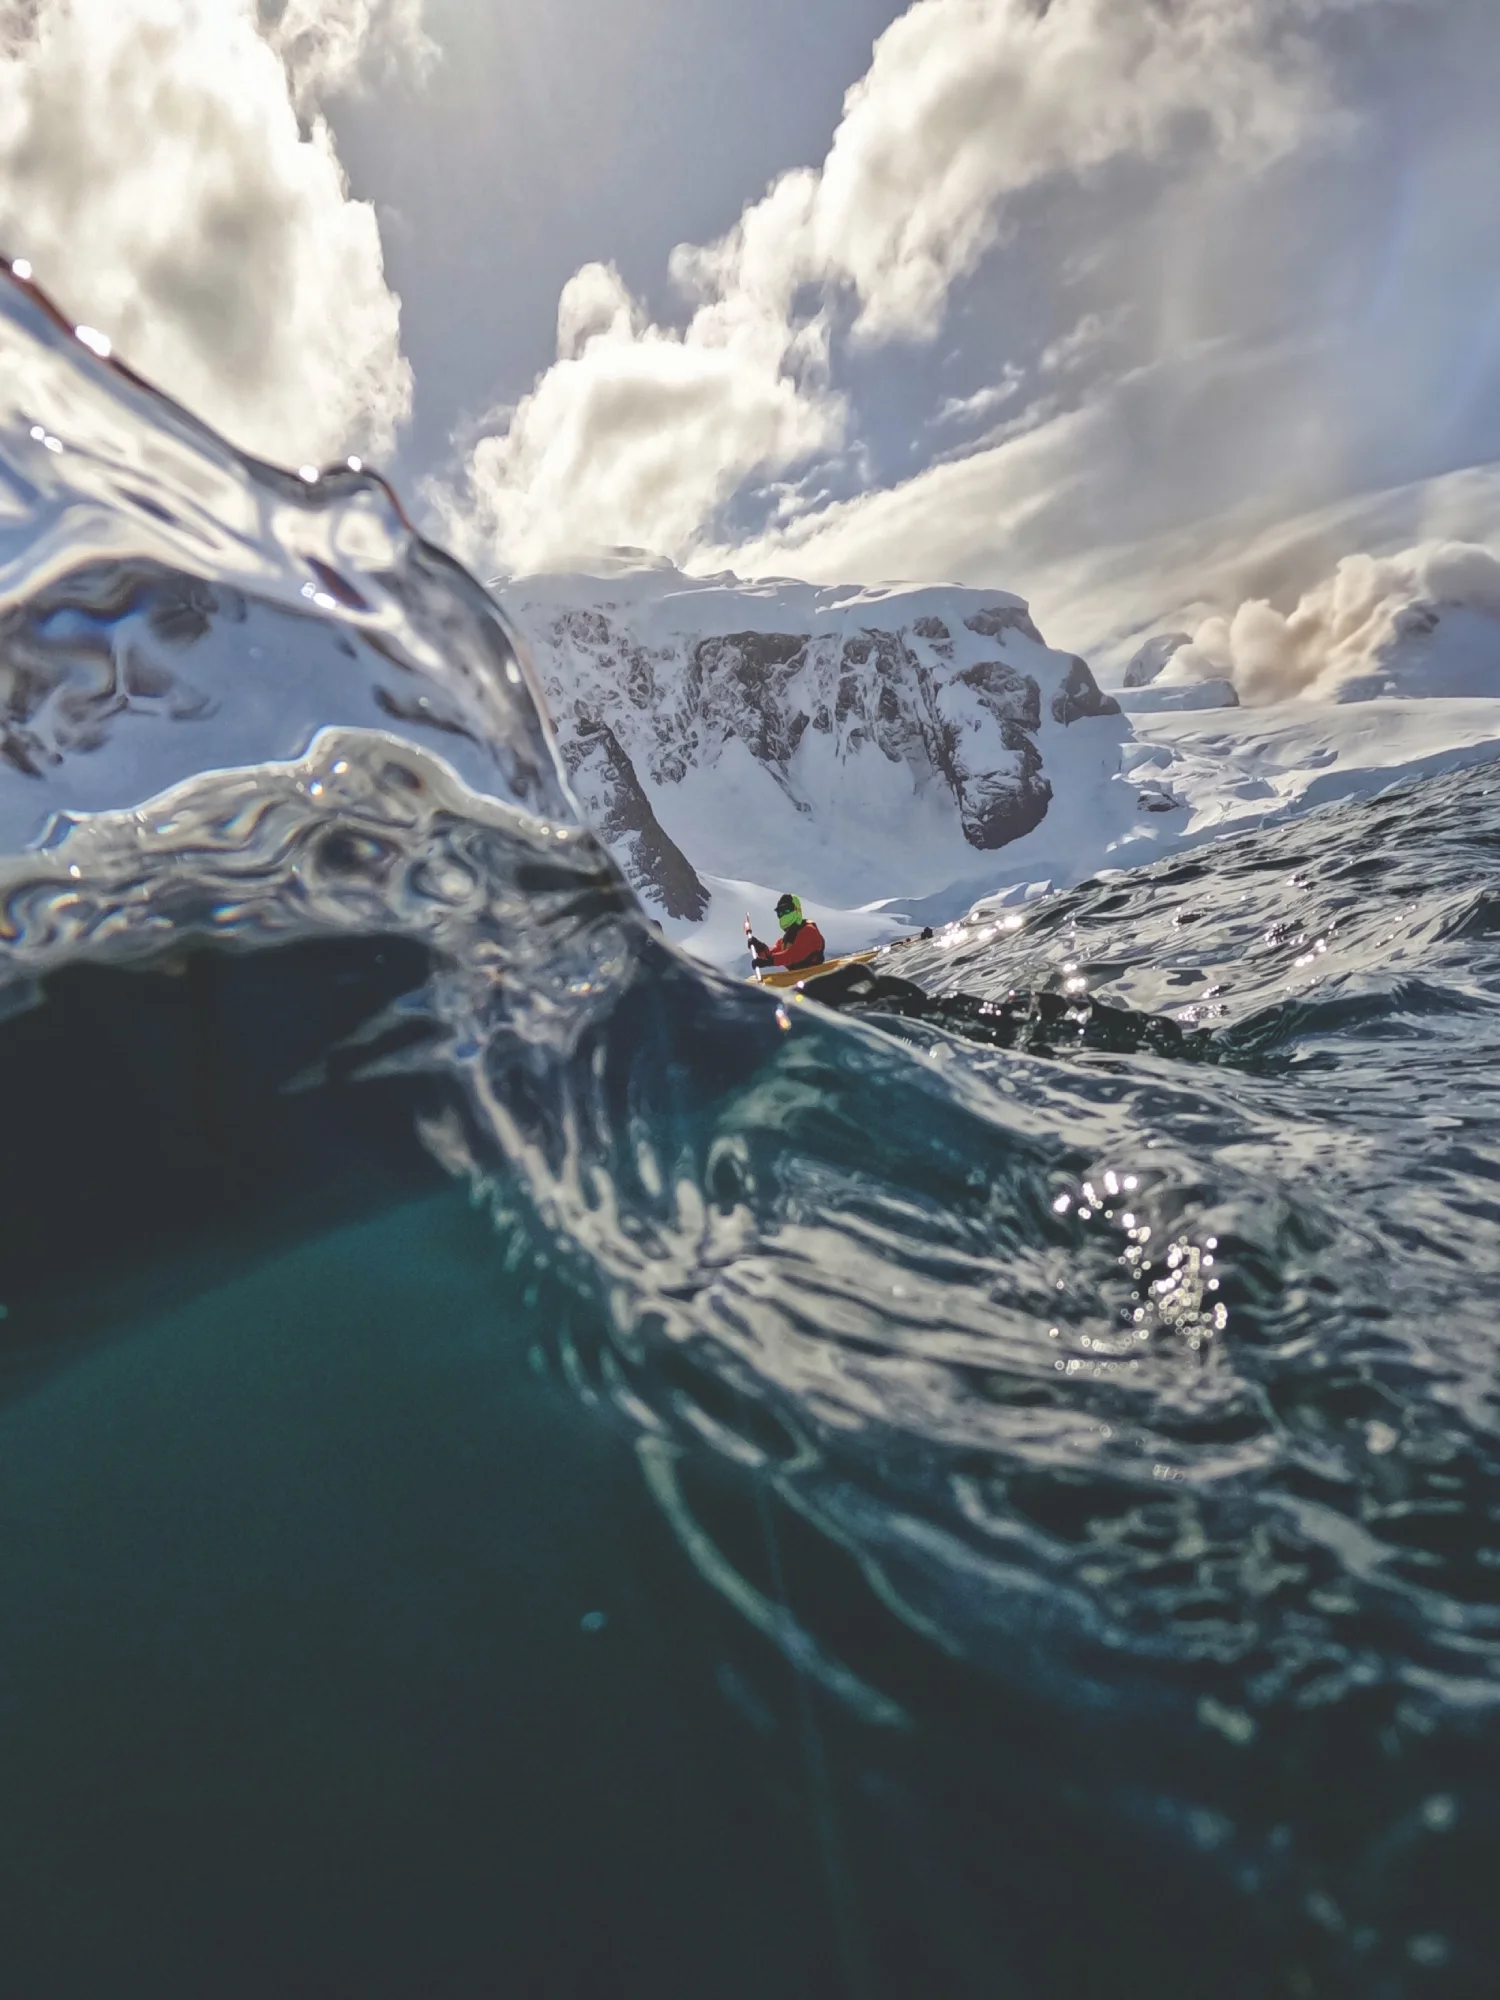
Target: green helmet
788, 912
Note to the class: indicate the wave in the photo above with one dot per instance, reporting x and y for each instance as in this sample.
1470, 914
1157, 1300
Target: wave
1106, 1292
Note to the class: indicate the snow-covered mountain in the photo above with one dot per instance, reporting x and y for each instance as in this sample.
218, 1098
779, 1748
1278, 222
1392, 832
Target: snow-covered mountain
895, 756
911, 749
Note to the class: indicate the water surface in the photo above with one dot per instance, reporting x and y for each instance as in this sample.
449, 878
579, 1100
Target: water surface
528, 1466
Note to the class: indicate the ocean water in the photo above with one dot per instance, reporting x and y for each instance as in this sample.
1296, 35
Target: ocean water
530, 1468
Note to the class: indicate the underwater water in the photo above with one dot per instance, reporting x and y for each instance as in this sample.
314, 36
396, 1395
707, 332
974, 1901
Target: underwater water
529, 1467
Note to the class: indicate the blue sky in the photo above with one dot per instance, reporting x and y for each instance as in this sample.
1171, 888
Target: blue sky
581, 130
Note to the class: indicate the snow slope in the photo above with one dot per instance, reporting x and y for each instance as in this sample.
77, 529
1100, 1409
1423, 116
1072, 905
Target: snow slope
890, 755
1236, 768
896, 755
1389, 671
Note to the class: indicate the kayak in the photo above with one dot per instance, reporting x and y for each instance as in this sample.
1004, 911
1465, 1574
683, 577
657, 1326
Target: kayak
802, 975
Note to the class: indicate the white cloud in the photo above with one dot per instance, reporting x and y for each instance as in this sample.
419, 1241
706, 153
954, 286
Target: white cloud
641, 433
327, 45
1063, 502
1356, 623
1075, 509
970, 101
163, 168
1083, 342
959, 411
1273, 370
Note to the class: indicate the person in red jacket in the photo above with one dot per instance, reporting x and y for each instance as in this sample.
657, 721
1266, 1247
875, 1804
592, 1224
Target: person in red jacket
800, 946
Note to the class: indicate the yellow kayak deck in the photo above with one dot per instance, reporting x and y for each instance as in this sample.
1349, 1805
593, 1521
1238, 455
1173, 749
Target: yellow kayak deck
803, 974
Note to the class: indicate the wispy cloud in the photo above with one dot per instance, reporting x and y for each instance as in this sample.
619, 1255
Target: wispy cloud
962, 412
1084, 342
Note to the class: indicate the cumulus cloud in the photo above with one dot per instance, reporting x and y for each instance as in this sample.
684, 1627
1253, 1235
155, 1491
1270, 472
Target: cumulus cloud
642, 432
1374, 618
639, 434
329, 45
164, 169
970, 101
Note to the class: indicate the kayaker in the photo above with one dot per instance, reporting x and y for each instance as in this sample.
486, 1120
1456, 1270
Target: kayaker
800, 946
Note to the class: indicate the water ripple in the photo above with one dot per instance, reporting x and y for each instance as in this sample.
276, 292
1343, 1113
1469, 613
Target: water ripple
1112, 1287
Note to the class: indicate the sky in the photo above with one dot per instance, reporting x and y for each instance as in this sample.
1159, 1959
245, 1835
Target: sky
1150, 310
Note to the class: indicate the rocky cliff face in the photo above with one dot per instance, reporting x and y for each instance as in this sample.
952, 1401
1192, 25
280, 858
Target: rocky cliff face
682, 707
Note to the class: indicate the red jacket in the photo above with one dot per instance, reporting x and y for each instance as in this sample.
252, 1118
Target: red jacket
800, 948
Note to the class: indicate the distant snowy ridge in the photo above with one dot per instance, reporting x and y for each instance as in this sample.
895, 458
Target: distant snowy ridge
862, 747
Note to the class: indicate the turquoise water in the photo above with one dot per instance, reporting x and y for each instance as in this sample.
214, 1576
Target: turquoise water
528, 1467
299, 1695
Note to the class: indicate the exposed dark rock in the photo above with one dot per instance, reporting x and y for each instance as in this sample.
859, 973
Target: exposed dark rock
1008, 695
998, 619
590, 628
893, 675
621, 814
1001, 806
641, 718
1080, 696
1418, 621
1155, 797
743, 680
640, 679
